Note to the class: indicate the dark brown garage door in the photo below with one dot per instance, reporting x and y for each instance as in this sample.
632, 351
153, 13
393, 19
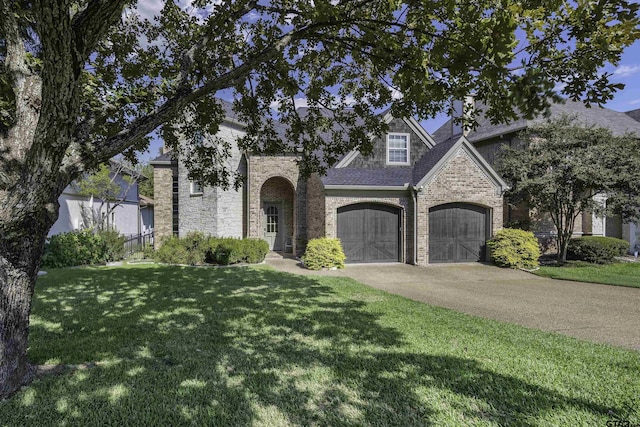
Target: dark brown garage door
457, 233
370, 232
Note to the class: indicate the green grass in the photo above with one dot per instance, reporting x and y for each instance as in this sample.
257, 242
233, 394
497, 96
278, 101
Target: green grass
252, 346
620, 274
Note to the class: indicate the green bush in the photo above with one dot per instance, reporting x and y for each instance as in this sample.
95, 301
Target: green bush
148, 251
229, 251
324, 253
197, 246
196, 249
596, 249
82, 248
111, 244
172, 251
514, 248
255, 250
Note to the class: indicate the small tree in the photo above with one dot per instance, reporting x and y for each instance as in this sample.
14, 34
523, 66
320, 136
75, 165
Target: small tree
145, 186
564, 164
105, 185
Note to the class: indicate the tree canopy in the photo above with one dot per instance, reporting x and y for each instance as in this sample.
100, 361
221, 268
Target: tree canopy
121, 75
84, 80
564, 164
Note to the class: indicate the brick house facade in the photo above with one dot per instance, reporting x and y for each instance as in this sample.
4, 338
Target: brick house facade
488, 139
380, 206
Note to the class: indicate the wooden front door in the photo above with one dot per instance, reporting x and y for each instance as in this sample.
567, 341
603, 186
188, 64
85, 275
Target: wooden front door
272, 223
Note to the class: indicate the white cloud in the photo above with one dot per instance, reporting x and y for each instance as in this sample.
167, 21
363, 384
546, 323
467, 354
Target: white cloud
634, 102
301, 102
349, 101
147, 9
395, 93
275, 105
298, 102
626, 70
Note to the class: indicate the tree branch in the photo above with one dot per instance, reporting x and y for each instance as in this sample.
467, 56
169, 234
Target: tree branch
91, 25
183, 96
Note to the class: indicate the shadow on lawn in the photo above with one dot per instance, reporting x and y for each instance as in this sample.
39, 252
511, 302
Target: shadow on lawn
240, 346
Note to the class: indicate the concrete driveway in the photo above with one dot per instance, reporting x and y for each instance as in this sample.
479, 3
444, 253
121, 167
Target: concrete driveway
601, 313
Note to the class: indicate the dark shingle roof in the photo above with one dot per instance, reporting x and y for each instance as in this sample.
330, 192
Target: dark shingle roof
431, 158
388, 177
396, 176
619, 123
163, 158
634, 114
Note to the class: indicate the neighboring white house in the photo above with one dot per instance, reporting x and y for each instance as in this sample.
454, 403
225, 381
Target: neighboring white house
146, 214
125, 218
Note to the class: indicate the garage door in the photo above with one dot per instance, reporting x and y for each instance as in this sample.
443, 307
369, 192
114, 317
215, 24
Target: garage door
457, 233
370, 232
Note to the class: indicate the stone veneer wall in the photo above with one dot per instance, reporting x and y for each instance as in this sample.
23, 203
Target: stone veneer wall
459, 181
196, 212
163, 206
229, 210
215, 212
334, 201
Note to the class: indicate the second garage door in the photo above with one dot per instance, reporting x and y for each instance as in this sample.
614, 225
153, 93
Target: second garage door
370, 232
457, 233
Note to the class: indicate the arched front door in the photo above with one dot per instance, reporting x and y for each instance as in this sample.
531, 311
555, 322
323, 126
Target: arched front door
273, 226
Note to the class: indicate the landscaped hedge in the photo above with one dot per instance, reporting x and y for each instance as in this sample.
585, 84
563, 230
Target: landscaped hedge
514, 248
596, 249
198, 249
324, 253
82, 248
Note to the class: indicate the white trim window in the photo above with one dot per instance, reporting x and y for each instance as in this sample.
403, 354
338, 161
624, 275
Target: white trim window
398, 149
196, 188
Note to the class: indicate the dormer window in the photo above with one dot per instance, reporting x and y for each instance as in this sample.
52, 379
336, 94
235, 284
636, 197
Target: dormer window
196, 188
398, 149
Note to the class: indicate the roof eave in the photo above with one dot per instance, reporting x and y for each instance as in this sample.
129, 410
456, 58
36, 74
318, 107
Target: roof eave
463, 141
368, 187
161, 162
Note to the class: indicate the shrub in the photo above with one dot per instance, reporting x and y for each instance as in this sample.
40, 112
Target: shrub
196, 249
148, 252
196, 245
514, 248
111, 244
255, 250
83, 247
172, 251
324, 253
596, 249
229, 251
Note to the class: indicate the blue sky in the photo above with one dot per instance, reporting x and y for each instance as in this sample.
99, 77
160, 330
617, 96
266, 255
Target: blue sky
627, 72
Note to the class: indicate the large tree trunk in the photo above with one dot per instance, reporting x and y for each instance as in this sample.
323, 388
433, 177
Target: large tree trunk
15, 307
21, 247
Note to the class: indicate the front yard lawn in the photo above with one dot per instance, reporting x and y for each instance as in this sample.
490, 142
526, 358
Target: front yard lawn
162, 345
621, 274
